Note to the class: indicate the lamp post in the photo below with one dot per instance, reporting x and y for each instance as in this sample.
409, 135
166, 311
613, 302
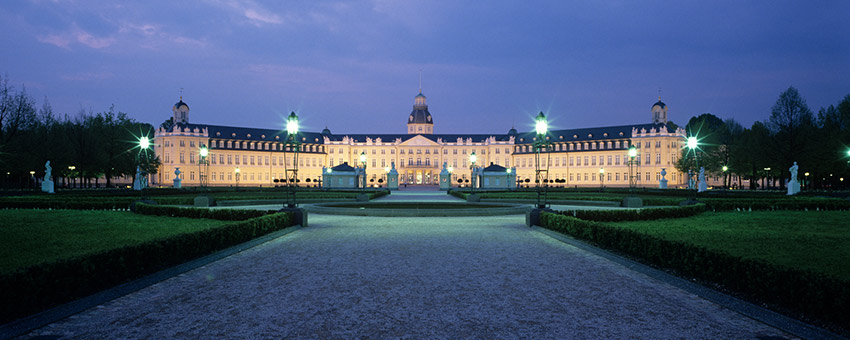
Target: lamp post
541, 128
32, 176
72, 168
692, 146
237, 177
632, 163
202, 165
806, 183
472, 159
363, 166
451, 170
144, 144
293, 143
767, 178
508, 178
725, 176
601, 179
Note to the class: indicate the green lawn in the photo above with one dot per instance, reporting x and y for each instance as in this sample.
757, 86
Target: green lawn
30, 237
812, 240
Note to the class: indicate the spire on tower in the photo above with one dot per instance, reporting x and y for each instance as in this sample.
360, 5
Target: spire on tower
420, 80
181, 94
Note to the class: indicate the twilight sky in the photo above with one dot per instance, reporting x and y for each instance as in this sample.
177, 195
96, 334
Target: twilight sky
354, 65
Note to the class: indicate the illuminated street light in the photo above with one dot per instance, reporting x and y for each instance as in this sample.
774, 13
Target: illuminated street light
202, 164
472, 159
541, 127
601, 178
291, 143
692, 142
144, 142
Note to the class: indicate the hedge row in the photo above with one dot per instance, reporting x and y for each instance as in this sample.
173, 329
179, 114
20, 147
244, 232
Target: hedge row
42, 286
378, 194
215, 214
458, 194
807, 292
116, 203
635, 214
795, 203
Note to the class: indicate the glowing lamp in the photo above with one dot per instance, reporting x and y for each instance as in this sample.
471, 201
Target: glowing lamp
473, 158
292, 124
144, 142
692, 142
540, 124
204, 151
632, 152
363, 158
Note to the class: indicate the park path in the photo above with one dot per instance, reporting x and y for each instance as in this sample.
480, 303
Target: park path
367, 277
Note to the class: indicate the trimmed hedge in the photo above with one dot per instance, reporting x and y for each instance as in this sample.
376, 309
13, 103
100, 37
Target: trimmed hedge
807, 292
39, 287
89, 203
791, 203
635, 214
458, 194
215, 214
378, 194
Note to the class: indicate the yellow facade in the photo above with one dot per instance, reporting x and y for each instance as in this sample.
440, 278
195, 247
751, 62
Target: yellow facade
260, 155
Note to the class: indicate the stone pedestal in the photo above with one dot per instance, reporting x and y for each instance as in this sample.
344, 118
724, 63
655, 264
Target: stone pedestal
632, 202
793, 187
204, 201
532, 217
702, 186
392, 178
47, 186
178, 183
299, 216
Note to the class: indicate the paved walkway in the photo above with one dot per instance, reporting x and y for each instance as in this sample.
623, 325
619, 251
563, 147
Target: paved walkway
367, 277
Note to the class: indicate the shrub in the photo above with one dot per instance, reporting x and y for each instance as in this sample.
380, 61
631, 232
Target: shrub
792, 203
635, 214
458, 194
807, 292
42, 286
215, 214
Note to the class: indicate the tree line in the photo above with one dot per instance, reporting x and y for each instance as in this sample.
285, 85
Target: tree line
765, 151
82, 148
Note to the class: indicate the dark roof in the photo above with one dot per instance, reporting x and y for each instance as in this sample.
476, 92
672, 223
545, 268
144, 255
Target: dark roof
659, 103
512, 132
420, 116
326, 131
392, 137
587, 134
180, 103
241, 133
343, 167
494, 168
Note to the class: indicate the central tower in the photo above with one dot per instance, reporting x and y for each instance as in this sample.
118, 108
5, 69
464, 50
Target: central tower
419, 121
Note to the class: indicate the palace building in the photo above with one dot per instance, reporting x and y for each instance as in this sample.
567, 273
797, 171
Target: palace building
585, 157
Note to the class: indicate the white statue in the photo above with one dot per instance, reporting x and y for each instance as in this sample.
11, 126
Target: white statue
663, 183
793, 184
703, 186
177, 180
137, 183
47, 185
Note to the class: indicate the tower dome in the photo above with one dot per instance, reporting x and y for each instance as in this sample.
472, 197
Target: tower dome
419, 121
659, 112
181, 112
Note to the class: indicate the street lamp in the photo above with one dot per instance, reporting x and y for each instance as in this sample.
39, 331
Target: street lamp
472, 159
632, 177
451, 170
72, 168
237, 177
144, 144
293, 143
363, 166
204, 151
541, 127
32, 175
692, 146
725, 176
806, 184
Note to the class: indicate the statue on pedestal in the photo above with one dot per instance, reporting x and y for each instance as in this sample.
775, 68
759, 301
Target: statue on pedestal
137, 183
663, 183
793, 184
703, 186
177, 181
47, 185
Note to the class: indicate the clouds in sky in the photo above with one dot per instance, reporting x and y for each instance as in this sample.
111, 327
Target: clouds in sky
354, 65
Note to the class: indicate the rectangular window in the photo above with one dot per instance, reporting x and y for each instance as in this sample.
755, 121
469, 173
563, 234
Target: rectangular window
212, 158
617, 176
647, 158
609, 161
647, 176
192, 175
586, 163
252, 160
593, 160
244, 159
267, 160
658, 158
192, 158
571, 161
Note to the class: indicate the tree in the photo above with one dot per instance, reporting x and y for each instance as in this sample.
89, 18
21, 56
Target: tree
752, 151
710, 131
791, 122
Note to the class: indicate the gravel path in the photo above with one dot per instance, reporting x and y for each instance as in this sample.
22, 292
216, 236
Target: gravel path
367, 277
